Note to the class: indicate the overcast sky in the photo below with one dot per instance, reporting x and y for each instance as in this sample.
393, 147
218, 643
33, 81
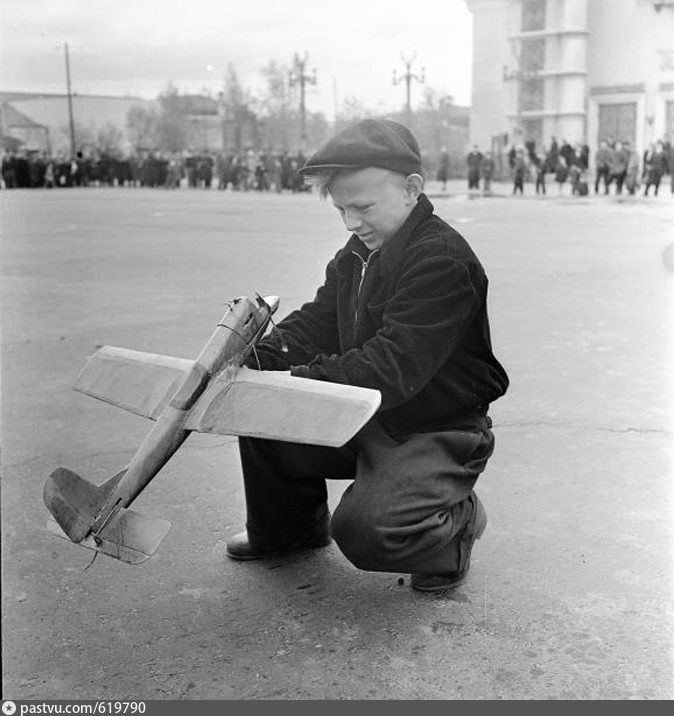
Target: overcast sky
137, 46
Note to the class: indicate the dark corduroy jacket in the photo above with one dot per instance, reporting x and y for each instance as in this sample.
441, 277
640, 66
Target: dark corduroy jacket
409, 320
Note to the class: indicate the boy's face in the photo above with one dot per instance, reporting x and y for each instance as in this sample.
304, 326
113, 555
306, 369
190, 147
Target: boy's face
373, 203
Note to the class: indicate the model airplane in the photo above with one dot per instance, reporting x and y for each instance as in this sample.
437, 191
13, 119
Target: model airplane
212, 394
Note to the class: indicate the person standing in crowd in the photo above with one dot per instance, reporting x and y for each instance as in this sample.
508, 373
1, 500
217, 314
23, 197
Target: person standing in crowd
221, 170
553, 154
487, 168
286, 170
618, 167
191, 169
205, 170
262, 173
473, 160
669, 157
174, 171
511, 159
49, 174
561, 173
274, 171
21, 171
632, 171
577, 172
655, 167
602, 163
542, 168
37, 169
566, 151
443, 168
519, 172
9, 170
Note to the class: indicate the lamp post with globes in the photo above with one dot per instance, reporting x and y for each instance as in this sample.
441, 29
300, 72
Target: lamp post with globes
299, 76
407, 78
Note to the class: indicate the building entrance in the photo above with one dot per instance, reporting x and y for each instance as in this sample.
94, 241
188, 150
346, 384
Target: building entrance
618, 122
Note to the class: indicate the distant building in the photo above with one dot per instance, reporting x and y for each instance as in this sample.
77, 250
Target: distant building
21, 133
213, 126
40, 122
579, 70
91, 114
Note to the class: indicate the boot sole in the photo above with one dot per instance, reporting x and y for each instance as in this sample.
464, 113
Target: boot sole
252, 556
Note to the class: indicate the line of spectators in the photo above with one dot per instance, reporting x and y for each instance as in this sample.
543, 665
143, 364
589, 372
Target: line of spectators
618, 162
615, 163
245, 171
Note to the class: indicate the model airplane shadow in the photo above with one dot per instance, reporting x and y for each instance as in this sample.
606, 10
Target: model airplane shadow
212, 394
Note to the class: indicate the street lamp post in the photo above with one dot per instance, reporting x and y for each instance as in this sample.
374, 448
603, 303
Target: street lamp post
298, 76
407, 78
445, 104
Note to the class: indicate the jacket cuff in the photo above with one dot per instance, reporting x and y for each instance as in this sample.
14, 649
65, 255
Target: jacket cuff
321, 369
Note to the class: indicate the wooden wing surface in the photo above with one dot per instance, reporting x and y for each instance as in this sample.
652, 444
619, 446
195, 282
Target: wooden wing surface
141, 383
278, 406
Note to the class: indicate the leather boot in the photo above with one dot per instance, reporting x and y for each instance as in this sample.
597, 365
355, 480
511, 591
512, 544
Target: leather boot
242, 548
473, 530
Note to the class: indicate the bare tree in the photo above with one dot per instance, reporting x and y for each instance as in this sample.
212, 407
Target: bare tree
143, 127
172, 128
84, 138
352, 110
280, 121
110, 140
241, 127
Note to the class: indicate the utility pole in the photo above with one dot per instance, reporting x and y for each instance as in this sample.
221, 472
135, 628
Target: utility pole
298, 76
408, 77
70, 104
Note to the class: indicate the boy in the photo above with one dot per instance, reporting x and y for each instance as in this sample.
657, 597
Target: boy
403, 311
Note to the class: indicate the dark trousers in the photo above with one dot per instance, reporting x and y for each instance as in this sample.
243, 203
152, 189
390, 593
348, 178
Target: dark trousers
602, 173
653, 179
402, 512
619, 179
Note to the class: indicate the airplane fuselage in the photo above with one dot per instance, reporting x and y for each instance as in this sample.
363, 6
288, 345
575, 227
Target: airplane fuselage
229, 345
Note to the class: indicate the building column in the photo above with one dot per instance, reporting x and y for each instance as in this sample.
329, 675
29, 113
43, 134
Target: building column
489, 101
572, 87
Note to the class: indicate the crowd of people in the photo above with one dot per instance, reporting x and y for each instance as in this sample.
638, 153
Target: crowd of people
616, 164
244, 171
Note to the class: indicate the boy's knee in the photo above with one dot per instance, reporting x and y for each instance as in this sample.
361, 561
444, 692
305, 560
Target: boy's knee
358, 536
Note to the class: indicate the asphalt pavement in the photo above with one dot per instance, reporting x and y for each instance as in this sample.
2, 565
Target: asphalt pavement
570, 590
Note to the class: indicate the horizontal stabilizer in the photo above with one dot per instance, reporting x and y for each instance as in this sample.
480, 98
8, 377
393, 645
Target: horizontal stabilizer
278, 406
142, 383
129, 536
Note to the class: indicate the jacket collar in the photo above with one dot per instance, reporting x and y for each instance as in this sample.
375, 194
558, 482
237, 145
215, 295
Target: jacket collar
389, 253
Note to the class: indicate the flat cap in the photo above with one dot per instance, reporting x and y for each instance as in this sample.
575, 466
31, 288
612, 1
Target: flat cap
379, 143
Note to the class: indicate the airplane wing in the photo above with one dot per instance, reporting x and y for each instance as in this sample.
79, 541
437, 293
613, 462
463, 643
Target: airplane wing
278, 406
142, 383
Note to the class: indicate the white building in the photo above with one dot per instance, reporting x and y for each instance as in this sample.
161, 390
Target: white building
578, 70
91, 115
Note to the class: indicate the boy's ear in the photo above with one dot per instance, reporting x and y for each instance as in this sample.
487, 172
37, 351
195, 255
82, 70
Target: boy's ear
414, 185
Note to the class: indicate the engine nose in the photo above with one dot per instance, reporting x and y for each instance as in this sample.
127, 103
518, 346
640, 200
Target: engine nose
272, 302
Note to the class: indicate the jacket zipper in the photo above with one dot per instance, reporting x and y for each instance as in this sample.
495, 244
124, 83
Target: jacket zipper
365, 263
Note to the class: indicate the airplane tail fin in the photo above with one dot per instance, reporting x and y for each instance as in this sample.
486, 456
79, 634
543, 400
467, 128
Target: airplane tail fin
74, 503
